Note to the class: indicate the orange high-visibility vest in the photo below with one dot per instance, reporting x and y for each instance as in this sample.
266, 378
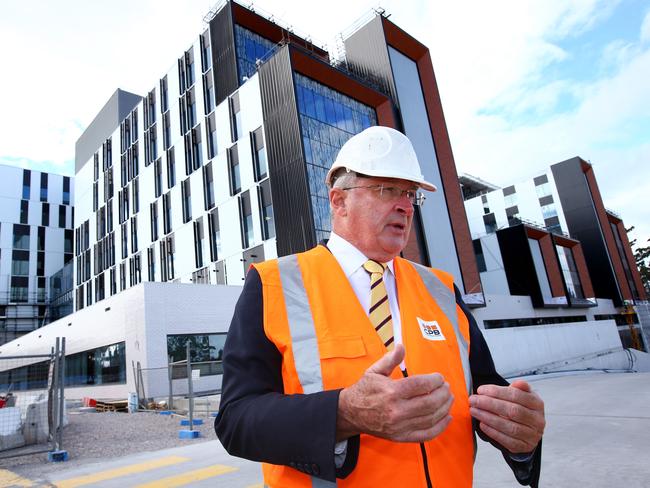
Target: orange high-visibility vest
327, 341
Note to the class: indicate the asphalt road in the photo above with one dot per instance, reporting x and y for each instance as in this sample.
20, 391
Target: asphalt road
598, 435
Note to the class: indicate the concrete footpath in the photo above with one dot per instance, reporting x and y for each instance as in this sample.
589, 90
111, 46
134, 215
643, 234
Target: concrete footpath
597, 434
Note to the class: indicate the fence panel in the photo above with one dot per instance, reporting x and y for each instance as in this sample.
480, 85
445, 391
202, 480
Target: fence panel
31, 402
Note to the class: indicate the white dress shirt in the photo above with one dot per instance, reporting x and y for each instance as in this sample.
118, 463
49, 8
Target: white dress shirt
352, 261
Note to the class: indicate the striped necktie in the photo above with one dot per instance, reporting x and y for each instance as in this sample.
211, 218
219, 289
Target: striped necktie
379, 311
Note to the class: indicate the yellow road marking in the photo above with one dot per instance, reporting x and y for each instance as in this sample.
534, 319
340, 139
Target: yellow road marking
189, 477
7, 478
117, 472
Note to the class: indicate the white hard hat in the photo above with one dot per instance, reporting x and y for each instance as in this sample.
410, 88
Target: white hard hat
382, 152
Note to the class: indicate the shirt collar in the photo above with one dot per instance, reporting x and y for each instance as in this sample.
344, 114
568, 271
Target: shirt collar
348, 256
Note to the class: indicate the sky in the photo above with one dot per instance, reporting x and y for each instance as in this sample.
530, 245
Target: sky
524, 83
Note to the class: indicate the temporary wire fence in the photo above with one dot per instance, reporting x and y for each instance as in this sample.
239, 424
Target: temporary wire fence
32, 404
183, 387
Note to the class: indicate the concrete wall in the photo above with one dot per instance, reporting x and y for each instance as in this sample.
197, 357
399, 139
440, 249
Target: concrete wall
523, 350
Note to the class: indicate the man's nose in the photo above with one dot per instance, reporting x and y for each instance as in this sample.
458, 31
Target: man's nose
403, 204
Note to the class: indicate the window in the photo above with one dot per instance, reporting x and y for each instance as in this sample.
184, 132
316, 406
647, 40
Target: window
206, 52
24, 211
123, 276
208, 93
95, 196
27, 178
509, 196
208, 187
259, 154
171, 168
167, 258
206, 349
327, 120
549, 211
113, 282
20, 263
62, 216
21, 236
19, 288
67, 240
153, 209
66, 190
167, 135
134, 234
233, 170
490, 223
215, 235
211, 129
266, 210
108, 184
151, 263
44, 186
480, 258
191, 109
197, 148
125, 239
189, 68
41, 295
246, 219
235, 117
40, 263
135, 266
164, 100
157, 174
95, 167
198, 242
569, 272
186, 194
41, 239
167, 213
250, 47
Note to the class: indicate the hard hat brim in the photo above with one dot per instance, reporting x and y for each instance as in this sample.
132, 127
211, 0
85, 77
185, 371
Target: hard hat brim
423, 184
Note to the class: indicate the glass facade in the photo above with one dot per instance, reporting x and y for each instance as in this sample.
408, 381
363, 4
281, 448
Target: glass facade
204, 348
101, 366
569, 272
327, 119
250, 47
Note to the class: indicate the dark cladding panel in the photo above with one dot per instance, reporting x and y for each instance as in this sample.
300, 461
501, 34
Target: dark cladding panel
518, 264
287, 169
583, 225
366, 52
224, 59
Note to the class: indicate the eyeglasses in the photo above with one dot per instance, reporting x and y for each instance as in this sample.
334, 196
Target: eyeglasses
390, 193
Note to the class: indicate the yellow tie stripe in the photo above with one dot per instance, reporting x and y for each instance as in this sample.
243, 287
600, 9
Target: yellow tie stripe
379, 311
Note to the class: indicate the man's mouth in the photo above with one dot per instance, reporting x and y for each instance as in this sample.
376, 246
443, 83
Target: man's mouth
398, 226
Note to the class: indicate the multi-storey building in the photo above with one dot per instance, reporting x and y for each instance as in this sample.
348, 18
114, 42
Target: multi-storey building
551, 238
36, 218
223, 162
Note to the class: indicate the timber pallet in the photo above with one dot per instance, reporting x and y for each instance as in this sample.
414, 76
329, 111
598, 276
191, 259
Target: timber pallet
117, 406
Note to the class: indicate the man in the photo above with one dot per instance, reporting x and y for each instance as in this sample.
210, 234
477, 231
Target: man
350, 366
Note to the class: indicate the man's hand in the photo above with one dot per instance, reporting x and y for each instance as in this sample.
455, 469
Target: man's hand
412, 409
511, 415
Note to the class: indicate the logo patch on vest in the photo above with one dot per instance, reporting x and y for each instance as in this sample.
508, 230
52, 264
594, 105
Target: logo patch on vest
431, 330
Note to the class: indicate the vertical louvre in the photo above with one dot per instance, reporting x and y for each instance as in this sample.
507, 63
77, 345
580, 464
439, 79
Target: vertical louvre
287, 169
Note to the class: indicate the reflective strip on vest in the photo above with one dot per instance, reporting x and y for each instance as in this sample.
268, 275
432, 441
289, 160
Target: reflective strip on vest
446, 300
303, 335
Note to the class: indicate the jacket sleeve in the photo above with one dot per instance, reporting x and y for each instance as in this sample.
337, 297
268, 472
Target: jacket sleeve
485, 373
256, 419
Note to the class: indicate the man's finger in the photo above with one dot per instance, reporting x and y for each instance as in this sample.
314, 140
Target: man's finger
528, 399
521, 385
389, 361
420, 385
509, 410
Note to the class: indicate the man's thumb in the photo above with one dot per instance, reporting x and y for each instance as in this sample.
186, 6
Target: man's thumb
391, 359
521, 385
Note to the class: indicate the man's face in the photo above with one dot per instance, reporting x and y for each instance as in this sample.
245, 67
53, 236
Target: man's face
377, 223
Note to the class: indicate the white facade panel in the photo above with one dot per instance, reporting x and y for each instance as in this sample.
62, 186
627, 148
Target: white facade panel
435, 216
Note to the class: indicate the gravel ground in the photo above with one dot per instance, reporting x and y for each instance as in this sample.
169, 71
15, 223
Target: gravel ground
101, 436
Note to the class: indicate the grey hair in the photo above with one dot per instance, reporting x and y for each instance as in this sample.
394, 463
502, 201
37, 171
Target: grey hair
343, 178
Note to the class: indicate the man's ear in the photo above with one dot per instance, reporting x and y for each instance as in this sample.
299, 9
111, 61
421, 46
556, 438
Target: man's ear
337, 201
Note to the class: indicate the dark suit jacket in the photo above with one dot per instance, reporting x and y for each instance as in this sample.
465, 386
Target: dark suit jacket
258, 422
